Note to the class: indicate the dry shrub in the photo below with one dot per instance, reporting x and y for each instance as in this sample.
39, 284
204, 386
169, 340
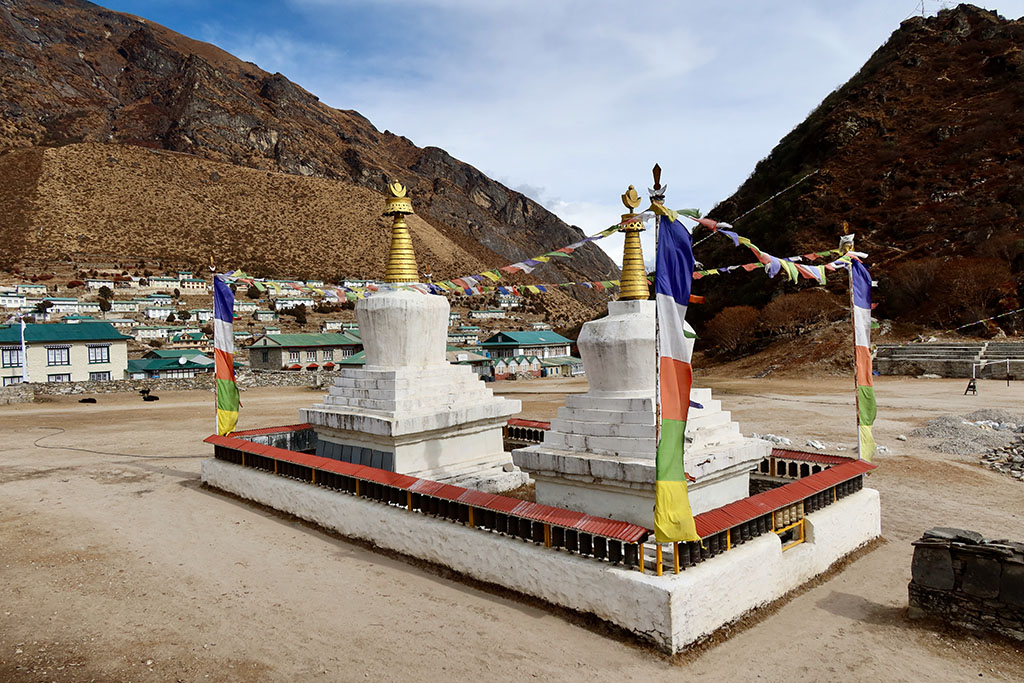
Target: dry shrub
732, 328
800, 310
946, 293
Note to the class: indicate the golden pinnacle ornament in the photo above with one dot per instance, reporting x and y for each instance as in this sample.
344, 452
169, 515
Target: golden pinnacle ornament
634, 276
401, 259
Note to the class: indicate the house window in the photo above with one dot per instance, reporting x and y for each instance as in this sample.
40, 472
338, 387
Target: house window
99, 376
8, 381
58, 356
11, 358
328, 354
310, 354
58, 378
265, 356
99, 354
347, 353
293, 356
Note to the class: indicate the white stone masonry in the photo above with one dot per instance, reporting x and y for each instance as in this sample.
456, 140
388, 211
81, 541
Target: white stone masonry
436, 420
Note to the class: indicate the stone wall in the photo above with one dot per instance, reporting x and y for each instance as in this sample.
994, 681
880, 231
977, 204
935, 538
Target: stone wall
26, 393
967, 580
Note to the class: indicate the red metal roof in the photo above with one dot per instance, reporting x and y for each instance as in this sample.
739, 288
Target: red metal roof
599, 526
746, 509
272, 430
806, 456
533, 424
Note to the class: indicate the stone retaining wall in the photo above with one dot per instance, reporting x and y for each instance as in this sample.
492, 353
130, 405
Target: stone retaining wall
26, 393
969, 581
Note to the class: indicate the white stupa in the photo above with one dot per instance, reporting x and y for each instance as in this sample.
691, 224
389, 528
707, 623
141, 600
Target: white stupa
599, 456
408, 409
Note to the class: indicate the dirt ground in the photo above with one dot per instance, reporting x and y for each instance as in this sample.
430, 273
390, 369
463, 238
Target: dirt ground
116, 565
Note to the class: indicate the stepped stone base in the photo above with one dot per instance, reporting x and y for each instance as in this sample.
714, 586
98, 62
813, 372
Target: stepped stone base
599, 457
437, 422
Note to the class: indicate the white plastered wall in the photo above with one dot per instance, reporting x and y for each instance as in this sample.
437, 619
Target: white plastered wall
672, 610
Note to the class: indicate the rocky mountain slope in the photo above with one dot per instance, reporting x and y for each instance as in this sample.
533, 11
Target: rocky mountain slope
920, 155
94, 100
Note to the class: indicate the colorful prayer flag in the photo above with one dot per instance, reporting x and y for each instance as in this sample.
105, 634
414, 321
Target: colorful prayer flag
860, 280
224, 357
673, 518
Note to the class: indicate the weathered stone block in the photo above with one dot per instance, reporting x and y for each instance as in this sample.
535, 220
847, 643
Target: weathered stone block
932, 568
1011, 587
981, 577
957, 535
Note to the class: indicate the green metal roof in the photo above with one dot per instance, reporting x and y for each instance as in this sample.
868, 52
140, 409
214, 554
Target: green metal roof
529, 337
308, 339
60, 332
175, 353
358, 358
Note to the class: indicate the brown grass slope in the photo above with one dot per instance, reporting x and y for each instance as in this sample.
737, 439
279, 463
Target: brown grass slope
73, 72
919, 153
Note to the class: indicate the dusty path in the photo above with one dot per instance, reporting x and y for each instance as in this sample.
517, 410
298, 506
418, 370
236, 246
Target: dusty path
120, 567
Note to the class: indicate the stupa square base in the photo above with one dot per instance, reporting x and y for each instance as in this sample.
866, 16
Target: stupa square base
623, 488
671, 611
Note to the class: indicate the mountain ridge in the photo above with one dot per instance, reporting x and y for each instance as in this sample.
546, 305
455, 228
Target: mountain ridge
76, 73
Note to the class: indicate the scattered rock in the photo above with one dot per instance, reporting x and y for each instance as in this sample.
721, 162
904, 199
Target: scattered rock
816, 444
901, 437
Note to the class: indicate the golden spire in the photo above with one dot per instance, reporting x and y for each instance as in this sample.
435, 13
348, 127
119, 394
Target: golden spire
401, 259
634, 276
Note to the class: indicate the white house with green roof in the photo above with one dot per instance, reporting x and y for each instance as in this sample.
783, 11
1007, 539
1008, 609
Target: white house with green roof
302, 351
58, 352
540, 343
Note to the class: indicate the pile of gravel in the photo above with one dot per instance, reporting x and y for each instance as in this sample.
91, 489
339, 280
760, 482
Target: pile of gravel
983, 431
1008, 460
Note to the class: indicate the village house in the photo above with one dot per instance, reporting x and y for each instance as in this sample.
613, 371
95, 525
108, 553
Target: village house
170, 364
487, 314
12, 299
190, 340
288, 302
192, 286
460, 338
481, 364
202, 314
503, 368
567, 366
543, 344
263, 315
75, 319
124, 306
243, 306
144, 333
453, 318
537, 325
272, 330
32, 288
168, 283
509, 301
331, 325
63, 353
159, 311
302, 351
62, 304
99, 282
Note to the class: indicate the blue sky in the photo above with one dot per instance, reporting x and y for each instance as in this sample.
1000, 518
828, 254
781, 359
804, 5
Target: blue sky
567, 101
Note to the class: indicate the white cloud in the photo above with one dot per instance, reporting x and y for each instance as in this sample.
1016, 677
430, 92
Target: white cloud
573, 101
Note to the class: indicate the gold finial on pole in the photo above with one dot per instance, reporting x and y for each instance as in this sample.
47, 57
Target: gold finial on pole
633, 281
401, 259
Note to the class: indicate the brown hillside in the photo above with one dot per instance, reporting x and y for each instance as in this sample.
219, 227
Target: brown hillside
73, 72
919, 153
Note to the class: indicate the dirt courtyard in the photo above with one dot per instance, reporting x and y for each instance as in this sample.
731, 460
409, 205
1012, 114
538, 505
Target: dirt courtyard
116, 565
